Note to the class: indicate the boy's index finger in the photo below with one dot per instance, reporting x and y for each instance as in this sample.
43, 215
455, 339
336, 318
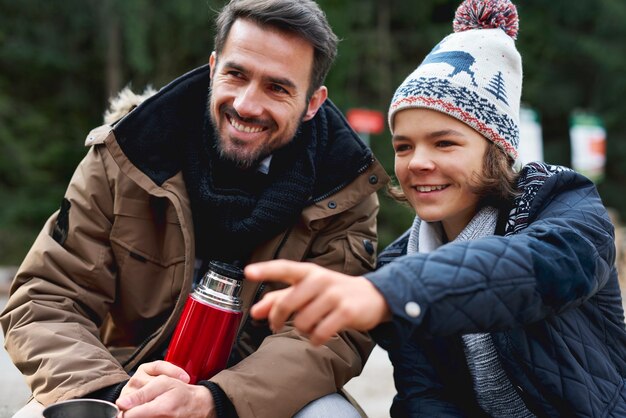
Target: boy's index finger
286, 271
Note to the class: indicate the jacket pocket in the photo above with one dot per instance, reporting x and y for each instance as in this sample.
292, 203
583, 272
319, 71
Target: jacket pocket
149, 250
149, 230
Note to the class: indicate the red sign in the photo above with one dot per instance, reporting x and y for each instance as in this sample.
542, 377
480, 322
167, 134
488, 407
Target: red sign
366, 121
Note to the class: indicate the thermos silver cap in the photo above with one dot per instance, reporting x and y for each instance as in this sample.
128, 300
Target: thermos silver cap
221, 286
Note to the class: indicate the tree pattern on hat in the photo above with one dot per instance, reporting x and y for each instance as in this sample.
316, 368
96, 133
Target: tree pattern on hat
496, 87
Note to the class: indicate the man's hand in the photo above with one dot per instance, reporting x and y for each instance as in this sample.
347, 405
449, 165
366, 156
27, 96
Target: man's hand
161, 389
323, 301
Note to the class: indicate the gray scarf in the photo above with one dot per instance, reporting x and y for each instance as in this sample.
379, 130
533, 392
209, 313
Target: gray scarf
494, 391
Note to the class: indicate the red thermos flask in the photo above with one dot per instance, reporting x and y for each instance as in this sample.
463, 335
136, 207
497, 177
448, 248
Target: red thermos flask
205, 333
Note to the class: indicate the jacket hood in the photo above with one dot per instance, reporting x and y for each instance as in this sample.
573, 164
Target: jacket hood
153, 134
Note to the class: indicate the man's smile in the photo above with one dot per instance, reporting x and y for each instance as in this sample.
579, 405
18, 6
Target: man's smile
243, 126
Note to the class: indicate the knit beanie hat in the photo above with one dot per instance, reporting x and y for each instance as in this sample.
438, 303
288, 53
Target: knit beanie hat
473, 74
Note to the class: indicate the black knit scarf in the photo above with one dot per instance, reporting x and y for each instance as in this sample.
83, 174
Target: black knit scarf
236, 210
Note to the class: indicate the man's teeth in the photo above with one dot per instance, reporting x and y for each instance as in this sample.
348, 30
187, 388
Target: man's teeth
246, 129
429, 188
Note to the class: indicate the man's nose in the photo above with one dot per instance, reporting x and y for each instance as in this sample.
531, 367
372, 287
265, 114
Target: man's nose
248, 102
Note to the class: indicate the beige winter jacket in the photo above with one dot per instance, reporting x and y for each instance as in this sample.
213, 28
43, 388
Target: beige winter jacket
83, 314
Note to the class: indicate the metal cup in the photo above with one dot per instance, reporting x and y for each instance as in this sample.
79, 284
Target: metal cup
81, 408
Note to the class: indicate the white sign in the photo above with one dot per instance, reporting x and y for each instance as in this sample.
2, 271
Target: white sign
531, 140
588, 139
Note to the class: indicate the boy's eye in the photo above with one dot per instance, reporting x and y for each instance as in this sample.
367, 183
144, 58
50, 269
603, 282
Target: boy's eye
401, 148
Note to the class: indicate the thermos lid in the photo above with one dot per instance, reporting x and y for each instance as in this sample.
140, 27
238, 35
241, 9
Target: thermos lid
227, 270
221, 286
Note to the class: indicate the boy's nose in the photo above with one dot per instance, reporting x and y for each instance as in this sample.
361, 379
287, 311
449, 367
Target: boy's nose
421, 161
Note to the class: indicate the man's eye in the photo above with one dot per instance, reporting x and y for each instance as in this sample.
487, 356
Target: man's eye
401, 148
235, 74
276, 88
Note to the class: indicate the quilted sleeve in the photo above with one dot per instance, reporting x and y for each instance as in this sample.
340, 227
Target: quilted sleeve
564, 256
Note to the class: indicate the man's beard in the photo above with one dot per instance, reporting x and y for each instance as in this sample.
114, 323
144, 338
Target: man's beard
234, 151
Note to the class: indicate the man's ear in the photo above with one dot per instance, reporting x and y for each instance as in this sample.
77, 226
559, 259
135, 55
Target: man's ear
212, 63
316, 100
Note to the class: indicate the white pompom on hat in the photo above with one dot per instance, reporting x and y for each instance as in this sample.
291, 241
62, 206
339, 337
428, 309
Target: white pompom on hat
473, 74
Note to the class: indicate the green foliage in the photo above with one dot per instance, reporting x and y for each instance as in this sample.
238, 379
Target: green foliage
55, 77
61, 60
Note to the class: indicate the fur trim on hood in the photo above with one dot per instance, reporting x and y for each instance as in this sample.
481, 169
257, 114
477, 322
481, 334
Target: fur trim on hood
124, 102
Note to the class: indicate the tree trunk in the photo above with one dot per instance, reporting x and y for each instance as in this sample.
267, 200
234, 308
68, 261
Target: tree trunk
112, 29
384, 52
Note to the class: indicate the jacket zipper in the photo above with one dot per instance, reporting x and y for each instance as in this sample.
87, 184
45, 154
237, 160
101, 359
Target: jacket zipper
282, 242
262, 285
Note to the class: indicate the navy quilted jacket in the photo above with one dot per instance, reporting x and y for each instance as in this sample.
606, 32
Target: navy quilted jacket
548, 294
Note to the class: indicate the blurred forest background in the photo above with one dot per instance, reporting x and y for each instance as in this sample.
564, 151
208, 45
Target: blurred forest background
60, 61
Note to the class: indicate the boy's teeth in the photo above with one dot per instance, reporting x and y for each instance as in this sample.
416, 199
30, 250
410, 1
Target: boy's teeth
429, 188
